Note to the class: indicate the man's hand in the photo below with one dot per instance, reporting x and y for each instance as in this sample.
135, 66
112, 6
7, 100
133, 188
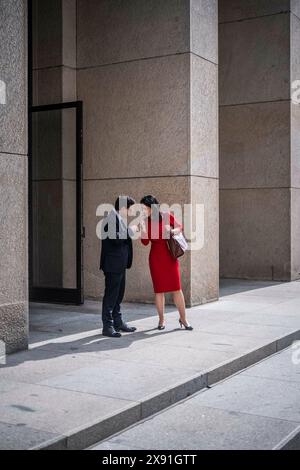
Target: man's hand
134, 228
170, 230
143, 226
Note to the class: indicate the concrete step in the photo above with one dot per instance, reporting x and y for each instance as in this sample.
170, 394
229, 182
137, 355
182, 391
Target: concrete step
101, 429
257, 409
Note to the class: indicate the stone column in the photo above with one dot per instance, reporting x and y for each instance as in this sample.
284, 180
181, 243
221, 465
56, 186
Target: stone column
259, 150
13, 175
54, 51
147, 75
54, 187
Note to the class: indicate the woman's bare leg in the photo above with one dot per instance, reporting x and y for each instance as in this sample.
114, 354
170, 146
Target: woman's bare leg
160, 306
179, 301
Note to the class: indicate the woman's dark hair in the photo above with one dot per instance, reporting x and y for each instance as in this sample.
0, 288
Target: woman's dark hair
152, 203
124, 201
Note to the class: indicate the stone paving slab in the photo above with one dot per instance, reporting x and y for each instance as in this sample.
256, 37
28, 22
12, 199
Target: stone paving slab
246, 411
22, 437
208, 341
202, 428
55, 410
268, 319
251, 330
280, 366
117, 379
103, 385
256, 396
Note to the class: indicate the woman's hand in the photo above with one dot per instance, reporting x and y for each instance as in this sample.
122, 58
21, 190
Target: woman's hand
173, 231
167, 231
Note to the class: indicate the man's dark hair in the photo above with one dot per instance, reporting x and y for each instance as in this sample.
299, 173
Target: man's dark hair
124, 201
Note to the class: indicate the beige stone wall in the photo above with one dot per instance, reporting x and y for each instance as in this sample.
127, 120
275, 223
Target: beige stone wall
258, 160
147, 75
54, 180
13, 176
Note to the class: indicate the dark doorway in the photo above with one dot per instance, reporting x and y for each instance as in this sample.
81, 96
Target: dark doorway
55, 190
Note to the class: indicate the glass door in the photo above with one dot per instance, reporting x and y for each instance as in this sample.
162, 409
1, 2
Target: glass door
55, 201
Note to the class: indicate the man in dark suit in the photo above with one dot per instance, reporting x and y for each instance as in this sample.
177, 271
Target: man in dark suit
116, 257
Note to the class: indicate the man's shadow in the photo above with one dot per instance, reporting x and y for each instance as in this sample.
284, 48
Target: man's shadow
89, 344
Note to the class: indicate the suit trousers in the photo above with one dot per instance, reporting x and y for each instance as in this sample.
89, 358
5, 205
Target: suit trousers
113, 296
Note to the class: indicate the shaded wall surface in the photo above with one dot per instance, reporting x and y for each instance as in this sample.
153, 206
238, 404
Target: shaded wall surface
259, 143
13, 175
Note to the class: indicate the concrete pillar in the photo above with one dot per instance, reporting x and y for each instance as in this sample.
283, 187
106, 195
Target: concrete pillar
54, 51
259, 154
147, 75
13, 175
54, 186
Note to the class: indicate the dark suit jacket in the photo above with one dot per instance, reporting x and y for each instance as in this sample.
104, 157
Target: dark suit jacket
117, 252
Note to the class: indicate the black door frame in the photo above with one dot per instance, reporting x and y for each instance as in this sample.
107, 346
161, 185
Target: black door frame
60, 295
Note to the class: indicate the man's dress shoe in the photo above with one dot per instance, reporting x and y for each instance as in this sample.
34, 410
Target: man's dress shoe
111, 333
126, 329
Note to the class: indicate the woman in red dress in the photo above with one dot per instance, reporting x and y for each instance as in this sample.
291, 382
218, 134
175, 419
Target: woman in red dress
164, 268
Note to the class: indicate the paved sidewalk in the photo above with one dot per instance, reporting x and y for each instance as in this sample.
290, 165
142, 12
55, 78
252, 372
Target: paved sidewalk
257, 409
75, 387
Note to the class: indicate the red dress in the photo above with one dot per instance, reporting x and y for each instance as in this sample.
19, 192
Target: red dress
164, 268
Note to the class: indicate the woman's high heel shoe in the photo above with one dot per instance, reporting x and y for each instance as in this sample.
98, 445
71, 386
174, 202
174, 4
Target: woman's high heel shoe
161, 327
187, 327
